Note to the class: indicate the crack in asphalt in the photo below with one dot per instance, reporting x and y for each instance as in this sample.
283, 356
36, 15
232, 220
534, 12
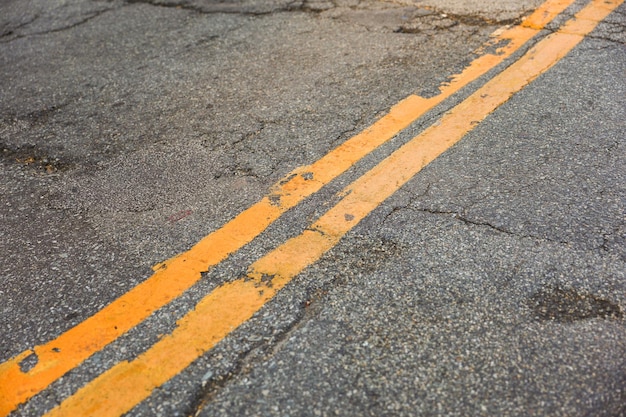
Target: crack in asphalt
357, 126
309, 308
88, 18
464, 219
603, 247
477, 20
264, 349
10, 31
308, 304
607, 39
616, 28
434, 19
221, 8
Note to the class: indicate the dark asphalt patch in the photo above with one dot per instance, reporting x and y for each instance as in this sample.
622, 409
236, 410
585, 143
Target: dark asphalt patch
566, 305
32, 156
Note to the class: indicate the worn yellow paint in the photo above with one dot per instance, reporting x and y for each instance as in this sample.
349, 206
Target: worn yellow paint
176, 275
126, 384
545, 14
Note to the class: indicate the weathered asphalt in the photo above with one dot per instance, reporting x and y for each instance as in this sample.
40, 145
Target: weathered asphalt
494, 283
484, 286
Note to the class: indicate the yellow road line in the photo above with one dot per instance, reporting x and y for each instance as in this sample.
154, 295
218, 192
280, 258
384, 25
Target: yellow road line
178, 274
122, 387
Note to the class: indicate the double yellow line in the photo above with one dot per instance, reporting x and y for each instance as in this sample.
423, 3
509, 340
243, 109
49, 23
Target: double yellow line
126, 384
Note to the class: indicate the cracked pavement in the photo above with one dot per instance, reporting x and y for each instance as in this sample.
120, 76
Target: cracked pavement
493, 283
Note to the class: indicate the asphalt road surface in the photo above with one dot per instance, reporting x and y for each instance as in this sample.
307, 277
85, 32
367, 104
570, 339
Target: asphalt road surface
312, 208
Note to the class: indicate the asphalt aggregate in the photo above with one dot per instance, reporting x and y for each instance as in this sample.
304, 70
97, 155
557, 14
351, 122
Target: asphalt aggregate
493, 283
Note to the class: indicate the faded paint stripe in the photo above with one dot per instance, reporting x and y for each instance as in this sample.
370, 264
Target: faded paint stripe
178, 274
122, 387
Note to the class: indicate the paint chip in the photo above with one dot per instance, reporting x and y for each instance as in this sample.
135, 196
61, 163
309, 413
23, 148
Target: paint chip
29, 362
274, 199
267, 279
286, 180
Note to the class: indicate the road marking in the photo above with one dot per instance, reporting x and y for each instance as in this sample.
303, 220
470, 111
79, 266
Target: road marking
126, 384
178, 274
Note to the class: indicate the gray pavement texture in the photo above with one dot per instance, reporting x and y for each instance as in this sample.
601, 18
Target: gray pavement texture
494, 283
484, 296
114, 127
